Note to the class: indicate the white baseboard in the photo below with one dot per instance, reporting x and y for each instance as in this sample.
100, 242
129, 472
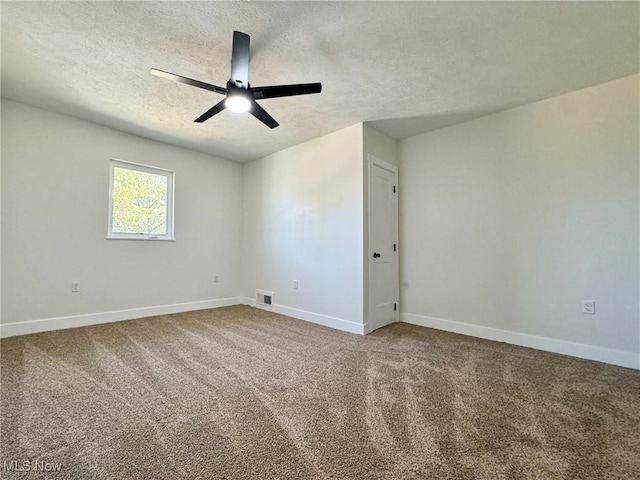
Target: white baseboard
59, 323
325, 320
590, 352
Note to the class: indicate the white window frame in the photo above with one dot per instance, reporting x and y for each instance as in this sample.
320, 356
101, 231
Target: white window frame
169, 174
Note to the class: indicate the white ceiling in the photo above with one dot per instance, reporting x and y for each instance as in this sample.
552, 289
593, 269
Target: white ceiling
405, 67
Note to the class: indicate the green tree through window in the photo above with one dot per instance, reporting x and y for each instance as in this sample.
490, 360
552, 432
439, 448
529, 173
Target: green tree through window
139, 202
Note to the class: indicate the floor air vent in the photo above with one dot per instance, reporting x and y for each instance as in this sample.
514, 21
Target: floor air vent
264, 298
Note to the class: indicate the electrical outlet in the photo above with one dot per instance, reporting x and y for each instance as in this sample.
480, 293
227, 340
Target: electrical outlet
215, 279
75, 287
589, 307
295, 284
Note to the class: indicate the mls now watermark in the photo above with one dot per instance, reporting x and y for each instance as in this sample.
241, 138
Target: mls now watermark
31, 466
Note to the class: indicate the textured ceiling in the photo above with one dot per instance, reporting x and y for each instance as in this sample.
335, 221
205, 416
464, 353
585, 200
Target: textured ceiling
405, 67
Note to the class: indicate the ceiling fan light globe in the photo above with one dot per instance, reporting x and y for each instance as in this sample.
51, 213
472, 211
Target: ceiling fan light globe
237, 103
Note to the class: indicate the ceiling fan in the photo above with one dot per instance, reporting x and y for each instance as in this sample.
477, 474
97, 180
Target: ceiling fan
240, 96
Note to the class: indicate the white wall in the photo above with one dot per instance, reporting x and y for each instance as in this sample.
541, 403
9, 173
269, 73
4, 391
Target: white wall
303, 211
510, 220
54, 222
0, 218
380, 145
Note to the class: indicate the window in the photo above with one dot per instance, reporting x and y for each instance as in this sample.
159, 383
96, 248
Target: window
140, 202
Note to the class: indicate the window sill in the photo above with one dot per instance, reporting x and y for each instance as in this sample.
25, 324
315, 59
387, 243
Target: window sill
141, 237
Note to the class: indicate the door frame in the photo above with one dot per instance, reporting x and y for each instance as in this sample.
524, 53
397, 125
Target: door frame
371, 161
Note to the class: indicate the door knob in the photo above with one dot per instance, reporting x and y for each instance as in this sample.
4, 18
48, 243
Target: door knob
376, 255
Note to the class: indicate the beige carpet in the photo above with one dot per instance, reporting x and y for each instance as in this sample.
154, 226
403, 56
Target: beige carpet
237, 393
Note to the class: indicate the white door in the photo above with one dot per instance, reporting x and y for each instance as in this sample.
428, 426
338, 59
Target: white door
383, 240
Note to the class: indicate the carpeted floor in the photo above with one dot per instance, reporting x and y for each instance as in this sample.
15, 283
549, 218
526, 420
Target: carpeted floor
236, 393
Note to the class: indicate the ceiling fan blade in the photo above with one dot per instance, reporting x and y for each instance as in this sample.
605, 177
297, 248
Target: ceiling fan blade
240, 60
286, 90
262, 115
188, 81
217, 108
